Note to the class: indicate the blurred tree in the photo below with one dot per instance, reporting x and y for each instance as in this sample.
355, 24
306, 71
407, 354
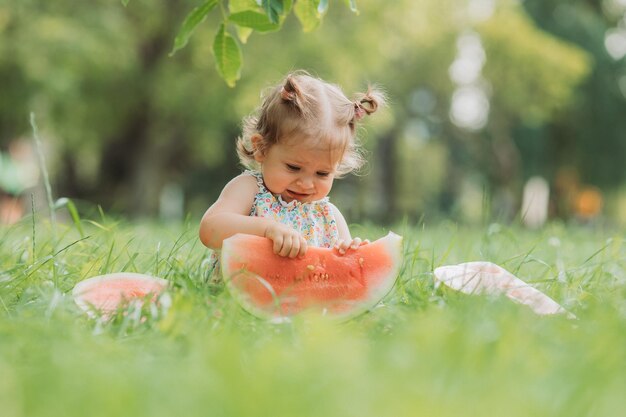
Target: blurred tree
528, 76
533, 79
112, 101
589, 137
125, 118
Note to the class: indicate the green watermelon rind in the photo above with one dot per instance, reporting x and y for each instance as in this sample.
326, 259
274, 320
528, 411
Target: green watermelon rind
393, 244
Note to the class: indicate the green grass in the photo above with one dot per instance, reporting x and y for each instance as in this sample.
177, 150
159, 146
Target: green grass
426, 352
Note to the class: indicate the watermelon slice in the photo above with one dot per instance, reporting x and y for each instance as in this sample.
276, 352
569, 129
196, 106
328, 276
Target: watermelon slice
274, 287
105, 294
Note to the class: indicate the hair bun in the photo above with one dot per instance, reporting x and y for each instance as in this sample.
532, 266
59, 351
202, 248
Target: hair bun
290, 92
287, 95
369, 102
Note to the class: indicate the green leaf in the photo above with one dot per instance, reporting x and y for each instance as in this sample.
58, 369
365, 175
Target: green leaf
228, 58
277, 5
243, 33
125, 2
235, 6
352, 5
192, 20
322, 7
307, 12
287, 4
253, 20
273, 9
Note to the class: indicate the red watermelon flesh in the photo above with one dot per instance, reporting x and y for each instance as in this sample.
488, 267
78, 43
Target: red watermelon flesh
107, 293
271, 286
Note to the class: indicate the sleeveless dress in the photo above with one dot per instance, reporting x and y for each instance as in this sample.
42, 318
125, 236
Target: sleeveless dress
314, 220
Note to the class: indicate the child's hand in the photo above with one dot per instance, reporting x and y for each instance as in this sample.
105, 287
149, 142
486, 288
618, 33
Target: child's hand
287, 242
343, 245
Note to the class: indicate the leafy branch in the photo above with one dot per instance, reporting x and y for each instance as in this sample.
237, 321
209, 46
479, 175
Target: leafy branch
244, 17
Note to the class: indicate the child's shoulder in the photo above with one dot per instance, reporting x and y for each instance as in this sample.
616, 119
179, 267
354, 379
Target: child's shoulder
243, 183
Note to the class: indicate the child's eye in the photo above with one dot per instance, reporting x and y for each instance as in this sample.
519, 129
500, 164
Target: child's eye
323, 174
293, 168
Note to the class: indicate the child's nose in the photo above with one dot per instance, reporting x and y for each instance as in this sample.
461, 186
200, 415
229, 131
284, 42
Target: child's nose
305, 182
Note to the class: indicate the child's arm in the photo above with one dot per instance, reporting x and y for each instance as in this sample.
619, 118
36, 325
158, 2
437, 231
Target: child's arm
345, 241
230, 215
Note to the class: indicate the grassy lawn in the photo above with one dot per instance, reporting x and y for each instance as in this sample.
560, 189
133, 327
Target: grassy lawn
425, 352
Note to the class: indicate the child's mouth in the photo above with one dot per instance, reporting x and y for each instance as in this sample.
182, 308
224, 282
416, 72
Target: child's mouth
297, 196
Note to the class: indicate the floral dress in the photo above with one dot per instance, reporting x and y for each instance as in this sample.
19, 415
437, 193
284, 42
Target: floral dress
315, 220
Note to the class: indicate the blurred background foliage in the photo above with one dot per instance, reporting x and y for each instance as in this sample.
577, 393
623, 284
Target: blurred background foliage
484, 95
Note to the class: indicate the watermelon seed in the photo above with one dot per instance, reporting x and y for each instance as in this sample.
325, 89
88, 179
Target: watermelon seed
310, 267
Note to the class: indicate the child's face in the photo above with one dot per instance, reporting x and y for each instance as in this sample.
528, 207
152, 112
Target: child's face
298, 171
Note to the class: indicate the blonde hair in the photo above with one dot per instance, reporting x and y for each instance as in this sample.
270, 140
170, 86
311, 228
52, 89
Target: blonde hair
304, 107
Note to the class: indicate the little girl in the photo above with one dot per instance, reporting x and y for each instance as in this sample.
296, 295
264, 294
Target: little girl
301, 139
